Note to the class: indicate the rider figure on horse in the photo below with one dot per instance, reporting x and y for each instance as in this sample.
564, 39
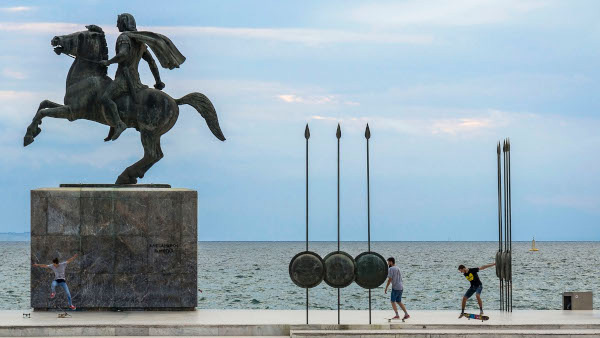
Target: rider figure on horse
130, 49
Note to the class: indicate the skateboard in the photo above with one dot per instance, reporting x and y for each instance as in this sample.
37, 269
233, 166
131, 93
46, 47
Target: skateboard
470, 316
390, 319
62, 313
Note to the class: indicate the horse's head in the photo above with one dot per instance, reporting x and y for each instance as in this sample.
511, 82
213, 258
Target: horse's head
90, 44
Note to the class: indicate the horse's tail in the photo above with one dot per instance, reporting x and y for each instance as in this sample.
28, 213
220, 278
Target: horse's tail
206, 109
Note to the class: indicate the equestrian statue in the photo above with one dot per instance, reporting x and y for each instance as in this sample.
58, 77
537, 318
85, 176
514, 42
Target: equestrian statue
123, 102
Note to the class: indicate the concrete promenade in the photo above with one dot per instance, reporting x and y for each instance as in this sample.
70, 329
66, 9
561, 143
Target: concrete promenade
323, 323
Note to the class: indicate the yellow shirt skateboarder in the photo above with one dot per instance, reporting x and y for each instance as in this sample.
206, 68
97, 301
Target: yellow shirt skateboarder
476, 285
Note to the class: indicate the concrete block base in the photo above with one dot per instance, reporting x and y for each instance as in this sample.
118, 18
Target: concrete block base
137, 247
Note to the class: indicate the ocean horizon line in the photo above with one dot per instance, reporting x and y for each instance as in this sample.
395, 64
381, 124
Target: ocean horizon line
415, 241
25, 237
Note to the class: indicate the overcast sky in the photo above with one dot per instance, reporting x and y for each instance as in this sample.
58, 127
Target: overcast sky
439, 82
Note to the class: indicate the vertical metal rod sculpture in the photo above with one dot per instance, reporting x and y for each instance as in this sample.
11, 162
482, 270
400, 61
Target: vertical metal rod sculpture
306, 136
368, 136
338, 134
509, 226
504, 256
505, 223
499, 227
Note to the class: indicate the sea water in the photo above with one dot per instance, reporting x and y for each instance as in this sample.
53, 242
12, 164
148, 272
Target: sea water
254, 275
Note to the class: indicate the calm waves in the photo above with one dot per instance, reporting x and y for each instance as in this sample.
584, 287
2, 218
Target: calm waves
254, 275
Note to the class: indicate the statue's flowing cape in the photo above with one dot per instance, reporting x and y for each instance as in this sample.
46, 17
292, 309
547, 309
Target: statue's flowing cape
168, 55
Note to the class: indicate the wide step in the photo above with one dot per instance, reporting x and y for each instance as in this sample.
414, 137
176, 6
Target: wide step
445, 333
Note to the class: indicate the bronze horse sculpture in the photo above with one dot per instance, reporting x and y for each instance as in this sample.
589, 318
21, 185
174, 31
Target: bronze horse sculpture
152, 112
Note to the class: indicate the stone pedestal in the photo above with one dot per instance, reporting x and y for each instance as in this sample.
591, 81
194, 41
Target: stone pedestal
137, 247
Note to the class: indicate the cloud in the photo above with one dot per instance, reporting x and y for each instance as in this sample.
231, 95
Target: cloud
305, 36
290, 98
442, 13
13, 74
41, 27
504, 88
460, 125
324, 118
16, 9
9, 95
315, 99
296, 35
265, 99
476, 123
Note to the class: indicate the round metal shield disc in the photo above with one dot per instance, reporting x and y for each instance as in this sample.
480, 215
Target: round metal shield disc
371, 270
307, 269
340, 269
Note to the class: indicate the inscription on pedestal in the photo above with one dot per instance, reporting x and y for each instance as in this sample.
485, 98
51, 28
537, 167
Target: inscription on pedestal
164, 248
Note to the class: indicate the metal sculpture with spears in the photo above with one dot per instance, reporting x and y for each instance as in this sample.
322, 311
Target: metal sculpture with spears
338, 269
504, 254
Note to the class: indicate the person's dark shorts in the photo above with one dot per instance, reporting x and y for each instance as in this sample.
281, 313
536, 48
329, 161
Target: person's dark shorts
472, 290
396, 296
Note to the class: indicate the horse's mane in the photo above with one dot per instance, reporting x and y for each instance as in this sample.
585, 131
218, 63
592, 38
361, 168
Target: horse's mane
103, 45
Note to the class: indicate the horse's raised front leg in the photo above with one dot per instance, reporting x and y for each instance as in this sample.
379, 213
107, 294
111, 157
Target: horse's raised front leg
48, 104
152, 154
33, 128
47, 108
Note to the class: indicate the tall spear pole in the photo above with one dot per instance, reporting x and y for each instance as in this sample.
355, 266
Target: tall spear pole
306, 136
368, 136
338, 134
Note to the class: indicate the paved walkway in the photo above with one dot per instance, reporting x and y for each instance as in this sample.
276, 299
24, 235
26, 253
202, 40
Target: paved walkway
276, 322
292, 317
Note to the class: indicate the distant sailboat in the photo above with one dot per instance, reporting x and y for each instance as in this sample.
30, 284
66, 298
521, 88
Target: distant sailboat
533, 248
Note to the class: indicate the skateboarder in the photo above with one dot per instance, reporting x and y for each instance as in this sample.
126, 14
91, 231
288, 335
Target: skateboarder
476, 285
395, 278
59, 277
